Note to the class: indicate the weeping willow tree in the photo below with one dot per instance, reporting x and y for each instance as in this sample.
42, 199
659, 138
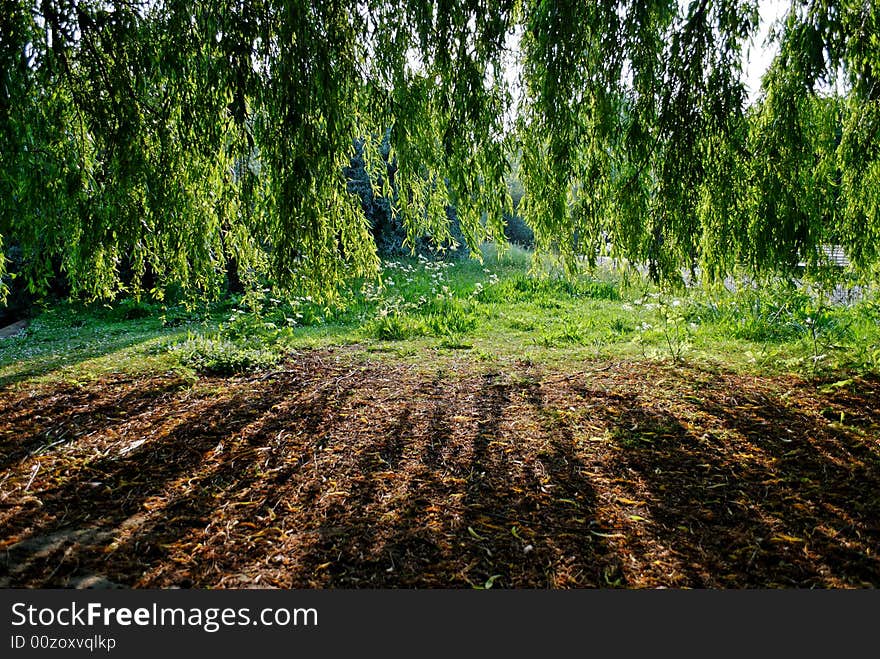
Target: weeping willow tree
158, 142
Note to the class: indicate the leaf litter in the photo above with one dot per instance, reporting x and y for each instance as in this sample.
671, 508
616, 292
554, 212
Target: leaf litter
338, 472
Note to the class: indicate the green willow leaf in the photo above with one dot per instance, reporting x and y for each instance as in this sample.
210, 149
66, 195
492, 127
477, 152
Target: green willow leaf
152, 145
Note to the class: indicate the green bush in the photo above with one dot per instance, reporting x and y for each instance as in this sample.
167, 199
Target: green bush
248, 340
518, 232
219, 356
449, 315
774, 313
396, 326
131, 309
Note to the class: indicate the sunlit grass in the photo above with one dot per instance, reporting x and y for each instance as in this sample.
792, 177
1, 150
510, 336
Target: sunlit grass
491, 311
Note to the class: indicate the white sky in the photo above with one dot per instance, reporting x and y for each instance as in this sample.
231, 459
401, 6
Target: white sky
759, 54
756, 57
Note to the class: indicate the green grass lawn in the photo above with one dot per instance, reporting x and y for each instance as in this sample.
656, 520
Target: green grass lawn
490, 311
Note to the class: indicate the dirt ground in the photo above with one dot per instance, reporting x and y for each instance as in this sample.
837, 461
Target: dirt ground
335, 472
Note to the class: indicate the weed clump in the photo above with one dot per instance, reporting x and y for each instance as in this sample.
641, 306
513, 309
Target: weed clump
214, 355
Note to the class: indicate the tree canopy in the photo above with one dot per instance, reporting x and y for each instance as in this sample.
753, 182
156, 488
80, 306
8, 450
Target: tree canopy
179, 139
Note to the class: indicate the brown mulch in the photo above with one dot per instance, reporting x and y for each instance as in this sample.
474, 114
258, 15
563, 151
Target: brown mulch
336, 473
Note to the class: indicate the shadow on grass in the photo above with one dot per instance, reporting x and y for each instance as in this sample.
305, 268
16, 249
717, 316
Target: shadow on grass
81, 345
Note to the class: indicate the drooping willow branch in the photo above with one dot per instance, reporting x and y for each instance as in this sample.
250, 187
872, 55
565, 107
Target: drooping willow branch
168, 142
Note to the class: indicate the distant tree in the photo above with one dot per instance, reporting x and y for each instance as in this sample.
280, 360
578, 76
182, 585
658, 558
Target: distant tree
379, 197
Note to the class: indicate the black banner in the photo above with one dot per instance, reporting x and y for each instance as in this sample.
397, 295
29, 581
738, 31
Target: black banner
407, 623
